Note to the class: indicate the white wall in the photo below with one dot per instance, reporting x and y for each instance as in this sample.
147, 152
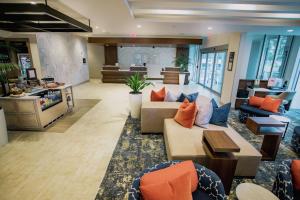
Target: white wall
61, 56
96, 60
233, 42
155, 58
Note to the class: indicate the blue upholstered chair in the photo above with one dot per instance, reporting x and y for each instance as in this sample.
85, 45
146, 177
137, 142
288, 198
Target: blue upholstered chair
283, 185
210, 186
296, 139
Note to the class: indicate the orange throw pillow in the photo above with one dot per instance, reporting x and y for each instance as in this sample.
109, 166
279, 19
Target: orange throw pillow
295, 170
178, 188
159, 95
270, 104
169, 173
186, 114
256, 101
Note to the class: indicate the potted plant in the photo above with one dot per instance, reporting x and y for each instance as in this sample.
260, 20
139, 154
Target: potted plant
182, 62
137, 84
6, 66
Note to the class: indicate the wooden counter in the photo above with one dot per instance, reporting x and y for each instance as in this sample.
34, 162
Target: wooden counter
172, 77
26, 113
119, 76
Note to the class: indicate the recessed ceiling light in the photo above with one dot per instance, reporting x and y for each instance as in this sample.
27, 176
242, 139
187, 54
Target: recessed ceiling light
96, 27
209, 28
290, 30
139, 26
32, 2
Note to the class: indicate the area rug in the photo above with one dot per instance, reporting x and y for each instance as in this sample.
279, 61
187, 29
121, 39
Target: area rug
82, 106
135, 152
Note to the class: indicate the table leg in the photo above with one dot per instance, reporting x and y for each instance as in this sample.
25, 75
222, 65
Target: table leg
270, 147
286, 128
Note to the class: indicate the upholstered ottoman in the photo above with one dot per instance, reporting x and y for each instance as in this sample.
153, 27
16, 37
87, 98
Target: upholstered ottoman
296, 139
186, 144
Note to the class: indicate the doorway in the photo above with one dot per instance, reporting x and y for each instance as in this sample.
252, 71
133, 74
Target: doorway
211, 73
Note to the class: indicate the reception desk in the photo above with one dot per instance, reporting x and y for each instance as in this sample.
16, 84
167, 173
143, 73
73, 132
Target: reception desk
171, 75
31, 112
117, 75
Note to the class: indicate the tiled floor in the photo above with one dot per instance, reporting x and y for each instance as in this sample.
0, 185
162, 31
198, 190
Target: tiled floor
70, 165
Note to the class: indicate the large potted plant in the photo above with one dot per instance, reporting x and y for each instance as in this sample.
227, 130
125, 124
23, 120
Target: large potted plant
137, 84
182, 62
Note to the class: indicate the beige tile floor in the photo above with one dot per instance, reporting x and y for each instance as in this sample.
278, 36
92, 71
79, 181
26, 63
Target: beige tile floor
70, 165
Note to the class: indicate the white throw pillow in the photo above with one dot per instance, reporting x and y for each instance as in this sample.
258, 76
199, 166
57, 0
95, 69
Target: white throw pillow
170, 97
205, 110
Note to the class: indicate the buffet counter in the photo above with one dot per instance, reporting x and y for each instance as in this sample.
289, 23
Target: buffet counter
36, 110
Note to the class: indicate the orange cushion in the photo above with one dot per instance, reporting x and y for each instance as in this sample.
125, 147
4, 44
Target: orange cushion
159, 95
295, 170
178, 188
270, 104
256, 101
170, 173
186, 114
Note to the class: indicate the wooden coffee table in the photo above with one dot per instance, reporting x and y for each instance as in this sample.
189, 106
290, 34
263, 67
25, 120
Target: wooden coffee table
218, 147
272, 131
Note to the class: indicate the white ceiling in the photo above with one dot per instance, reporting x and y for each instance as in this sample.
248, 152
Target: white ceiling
181, 18
188, 17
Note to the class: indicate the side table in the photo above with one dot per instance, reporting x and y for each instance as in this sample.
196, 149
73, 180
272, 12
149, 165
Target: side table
250, 191
272, 131
282, 119
218, 147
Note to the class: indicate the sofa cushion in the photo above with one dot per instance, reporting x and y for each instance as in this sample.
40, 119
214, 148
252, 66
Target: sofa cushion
191, 97
171, 97
256, 101
256, 111
271, 105
186, 114
186, 144
295, 170
158, 95
205, 111
177, 188
220, 114
172, 172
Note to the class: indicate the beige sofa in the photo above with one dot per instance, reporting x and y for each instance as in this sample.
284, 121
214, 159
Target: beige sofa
186, 144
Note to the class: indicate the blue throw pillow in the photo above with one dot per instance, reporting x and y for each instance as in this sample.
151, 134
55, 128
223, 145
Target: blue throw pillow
190, 97
220, 114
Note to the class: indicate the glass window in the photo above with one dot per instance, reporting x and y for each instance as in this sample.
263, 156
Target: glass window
209, 69
219, 72
203, 68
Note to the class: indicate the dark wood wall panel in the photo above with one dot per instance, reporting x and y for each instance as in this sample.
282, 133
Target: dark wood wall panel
111, 55
182, 51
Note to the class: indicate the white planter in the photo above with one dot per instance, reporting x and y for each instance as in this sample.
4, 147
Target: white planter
135, 101
3, 130
181, 79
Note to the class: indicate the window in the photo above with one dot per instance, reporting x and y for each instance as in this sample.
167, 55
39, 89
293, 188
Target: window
274, 56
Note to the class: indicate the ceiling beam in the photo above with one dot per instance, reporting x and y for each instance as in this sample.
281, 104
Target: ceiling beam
136, 40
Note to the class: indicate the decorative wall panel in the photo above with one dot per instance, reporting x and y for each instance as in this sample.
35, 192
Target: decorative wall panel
61, 56
155, 58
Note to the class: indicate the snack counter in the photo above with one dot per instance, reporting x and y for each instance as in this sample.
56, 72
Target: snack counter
36, 110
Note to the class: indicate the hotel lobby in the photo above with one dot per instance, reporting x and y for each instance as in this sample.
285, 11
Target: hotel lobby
149, 99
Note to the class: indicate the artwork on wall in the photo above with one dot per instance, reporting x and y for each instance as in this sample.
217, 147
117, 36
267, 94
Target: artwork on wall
230, 61
24, 62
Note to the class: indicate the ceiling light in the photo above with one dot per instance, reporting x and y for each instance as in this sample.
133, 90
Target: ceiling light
32, 2
139, 26
96, 27
209, 28
290, 30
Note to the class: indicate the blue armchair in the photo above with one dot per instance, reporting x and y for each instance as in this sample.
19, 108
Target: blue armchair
210, 186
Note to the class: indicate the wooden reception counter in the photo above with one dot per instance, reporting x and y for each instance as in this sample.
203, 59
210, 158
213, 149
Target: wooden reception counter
171, 75
34, 111
117, 75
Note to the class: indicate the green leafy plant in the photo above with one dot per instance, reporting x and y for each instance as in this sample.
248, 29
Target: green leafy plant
182, 62
136, 83
5, 68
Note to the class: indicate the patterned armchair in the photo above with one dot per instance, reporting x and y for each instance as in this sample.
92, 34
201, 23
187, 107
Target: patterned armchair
210, 186
283, 185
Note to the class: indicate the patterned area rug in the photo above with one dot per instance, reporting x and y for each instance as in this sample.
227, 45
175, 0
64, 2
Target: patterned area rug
135, 152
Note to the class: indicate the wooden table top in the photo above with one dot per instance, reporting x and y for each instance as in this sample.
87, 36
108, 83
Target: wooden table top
220, 142
266, 121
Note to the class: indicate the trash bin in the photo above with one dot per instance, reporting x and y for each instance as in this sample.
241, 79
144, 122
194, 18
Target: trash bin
3, 130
